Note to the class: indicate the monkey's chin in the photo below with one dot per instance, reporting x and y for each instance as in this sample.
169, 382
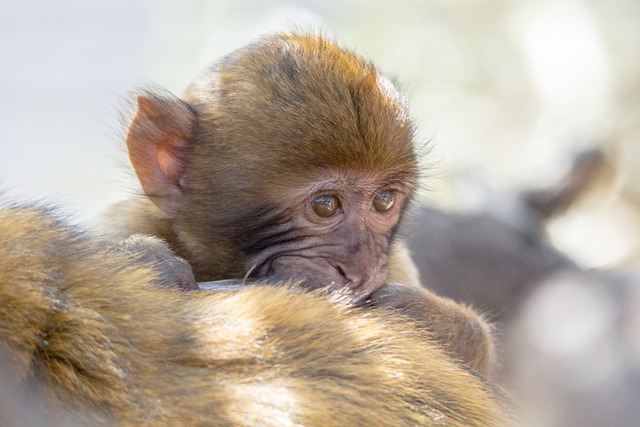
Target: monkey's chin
316, 274
313, 273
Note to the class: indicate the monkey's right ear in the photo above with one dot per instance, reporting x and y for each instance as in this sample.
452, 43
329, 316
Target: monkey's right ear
159, 141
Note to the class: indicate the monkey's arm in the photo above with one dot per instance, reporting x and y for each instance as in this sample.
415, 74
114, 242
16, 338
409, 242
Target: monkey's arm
459, 329
146, 249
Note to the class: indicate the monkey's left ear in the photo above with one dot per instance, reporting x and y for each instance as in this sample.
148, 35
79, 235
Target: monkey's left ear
159, 140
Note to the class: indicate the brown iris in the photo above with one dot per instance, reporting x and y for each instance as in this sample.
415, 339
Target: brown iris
384, 201
325, 206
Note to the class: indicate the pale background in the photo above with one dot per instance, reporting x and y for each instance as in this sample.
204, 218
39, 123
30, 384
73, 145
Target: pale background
506, 90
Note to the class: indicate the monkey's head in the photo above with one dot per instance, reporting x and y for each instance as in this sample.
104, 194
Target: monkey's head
289, 158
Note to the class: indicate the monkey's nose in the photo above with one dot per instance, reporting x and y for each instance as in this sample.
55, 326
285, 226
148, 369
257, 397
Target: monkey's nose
353, 279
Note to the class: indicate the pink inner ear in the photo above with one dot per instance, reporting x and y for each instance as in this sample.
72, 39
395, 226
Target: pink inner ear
171, 161
159, 140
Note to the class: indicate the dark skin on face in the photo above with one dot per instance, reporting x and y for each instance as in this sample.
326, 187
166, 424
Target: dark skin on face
338, 236
289, 159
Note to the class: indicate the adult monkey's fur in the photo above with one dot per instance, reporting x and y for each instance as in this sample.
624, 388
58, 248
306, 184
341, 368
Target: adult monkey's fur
98, 337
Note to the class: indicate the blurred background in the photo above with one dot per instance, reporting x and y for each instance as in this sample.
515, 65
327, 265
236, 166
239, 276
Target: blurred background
507, 92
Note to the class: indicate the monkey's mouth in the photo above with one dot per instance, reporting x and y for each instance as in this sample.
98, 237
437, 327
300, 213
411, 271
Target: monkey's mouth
310, 273
313, 273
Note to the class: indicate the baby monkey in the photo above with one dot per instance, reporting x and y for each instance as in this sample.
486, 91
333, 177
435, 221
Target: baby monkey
291, 159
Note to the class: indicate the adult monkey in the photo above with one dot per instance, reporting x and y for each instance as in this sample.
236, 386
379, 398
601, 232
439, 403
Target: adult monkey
290, 159
95, 335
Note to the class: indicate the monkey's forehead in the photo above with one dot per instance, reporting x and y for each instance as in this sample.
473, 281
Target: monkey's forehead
301, 101
351, 181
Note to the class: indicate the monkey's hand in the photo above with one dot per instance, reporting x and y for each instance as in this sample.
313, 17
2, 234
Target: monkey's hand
459, 329
174, 271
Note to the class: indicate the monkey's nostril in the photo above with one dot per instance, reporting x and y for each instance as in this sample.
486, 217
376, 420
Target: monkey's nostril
351, 281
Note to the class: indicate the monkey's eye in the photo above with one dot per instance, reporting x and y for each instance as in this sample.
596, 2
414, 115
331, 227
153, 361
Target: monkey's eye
384, 201
325, 206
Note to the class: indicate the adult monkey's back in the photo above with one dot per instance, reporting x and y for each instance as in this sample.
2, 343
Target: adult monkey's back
92, 335
291, 159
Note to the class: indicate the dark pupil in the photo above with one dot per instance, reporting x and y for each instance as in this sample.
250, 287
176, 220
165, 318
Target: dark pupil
325, 205
383, 201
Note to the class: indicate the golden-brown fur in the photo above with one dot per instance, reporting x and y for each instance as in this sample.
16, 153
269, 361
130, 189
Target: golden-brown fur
231, 166
96, 336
